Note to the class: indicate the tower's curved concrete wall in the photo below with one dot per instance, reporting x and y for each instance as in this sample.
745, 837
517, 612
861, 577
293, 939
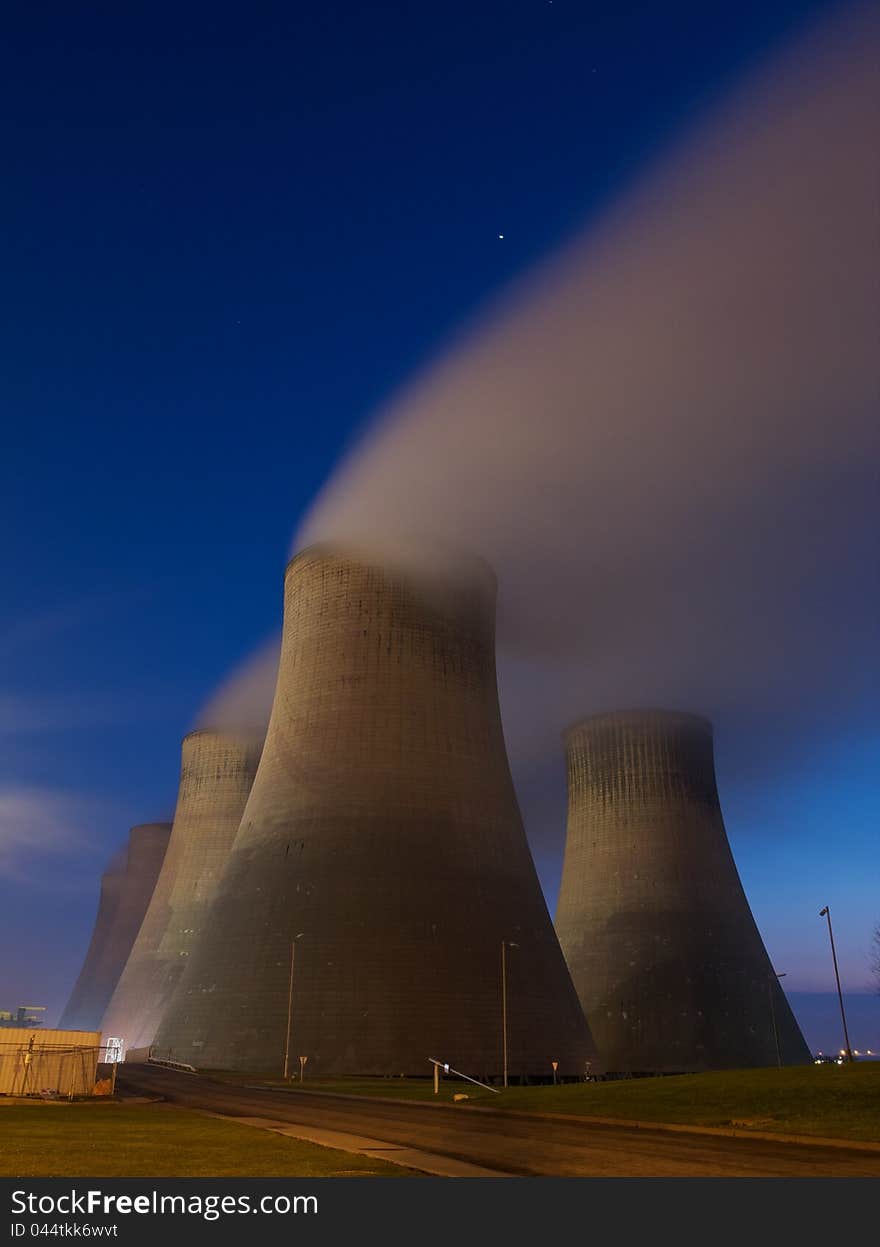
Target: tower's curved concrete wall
382, 840
125, 894
216, 774
84, 1008
660, 940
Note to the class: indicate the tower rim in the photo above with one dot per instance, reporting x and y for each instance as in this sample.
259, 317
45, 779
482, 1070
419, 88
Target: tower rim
644, 717
362, 555
216, 733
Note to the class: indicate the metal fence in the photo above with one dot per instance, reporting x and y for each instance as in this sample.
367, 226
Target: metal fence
56, 1064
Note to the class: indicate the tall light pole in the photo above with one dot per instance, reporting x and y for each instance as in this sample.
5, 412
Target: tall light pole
290, 1003
505, 944
773, 1014
826, 913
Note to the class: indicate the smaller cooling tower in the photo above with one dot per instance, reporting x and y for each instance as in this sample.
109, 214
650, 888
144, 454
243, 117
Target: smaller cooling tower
81, 1011
662, 946
217, 770
126, 888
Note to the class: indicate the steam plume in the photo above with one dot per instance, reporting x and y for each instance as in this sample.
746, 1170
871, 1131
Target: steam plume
665, 440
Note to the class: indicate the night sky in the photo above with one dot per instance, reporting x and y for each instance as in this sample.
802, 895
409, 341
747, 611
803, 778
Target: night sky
229, 235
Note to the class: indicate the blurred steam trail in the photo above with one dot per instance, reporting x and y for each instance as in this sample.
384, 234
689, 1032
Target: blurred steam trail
242, 703
665, 440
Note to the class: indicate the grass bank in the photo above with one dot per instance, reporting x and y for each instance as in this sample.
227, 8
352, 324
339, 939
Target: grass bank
835, 1101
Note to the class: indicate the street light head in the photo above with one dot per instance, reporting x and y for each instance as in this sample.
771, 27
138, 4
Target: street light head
823, 912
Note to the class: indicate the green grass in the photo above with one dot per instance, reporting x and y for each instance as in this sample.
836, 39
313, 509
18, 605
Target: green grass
833, 1101
109, 1140
837, 1101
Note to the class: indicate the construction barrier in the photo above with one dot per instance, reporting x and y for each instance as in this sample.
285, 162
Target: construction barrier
56, 1064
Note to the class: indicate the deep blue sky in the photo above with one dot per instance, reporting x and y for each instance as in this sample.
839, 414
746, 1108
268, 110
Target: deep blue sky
228, 234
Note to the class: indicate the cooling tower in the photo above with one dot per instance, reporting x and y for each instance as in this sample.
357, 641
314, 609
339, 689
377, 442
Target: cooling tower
666, 957
125, 893
216, 774
381, 859
86, 1005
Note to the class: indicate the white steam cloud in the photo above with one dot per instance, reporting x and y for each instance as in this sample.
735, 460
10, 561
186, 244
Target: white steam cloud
665, 441
35, 824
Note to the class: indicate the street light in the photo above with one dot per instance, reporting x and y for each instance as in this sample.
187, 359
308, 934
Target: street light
773, 1014
826, 913
505, 944
290, 1002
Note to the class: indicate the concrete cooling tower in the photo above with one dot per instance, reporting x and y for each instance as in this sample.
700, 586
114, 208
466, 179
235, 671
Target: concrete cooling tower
83, 1010
381, 860
126, 889
216, 774
662, 946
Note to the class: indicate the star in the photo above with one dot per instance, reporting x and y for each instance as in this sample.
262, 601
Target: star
500, 235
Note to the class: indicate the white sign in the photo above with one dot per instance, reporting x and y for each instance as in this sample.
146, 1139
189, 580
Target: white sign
114, 1051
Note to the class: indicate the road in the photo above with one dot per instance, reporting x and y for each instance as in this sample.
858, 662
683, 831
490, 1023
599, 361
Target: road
514, 1144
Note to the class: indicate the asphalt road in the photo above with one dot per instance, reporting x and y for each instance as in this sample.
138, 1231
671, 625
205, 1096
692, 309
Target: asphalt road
513, 1144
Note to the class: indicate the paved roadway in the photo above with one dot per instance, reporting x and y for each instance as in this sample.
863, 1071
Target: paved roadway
513, 1144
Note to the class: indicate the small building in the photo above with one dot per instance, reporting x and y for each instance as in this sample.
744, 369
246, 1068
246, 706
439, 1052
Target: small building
49, 1063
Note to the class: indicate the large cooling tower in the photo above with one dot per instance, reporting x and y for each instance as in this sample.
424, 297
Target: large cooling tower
383, 843
126, 889
661, 943
216, 774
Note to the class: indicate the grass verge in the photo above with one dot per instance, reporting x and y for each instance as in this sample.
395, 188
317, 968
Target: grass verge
106, 1140
834, 1101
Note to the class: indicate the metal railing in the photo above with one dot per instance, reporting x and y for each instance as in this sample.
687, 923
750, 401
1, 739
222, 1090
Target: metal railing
168, 1064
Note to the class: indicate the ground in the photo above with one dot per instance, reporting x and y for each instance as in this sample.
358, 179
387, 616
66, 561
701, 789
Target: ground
833, 1101
102, 1139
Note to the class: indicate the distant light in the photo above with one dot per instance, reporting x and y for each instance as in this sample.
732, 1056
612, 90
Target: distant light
500, 235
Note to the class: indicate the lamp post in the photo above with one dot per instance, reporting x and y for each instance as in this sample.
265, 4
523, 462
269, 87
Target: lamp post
773, 1014
505, 944
826, 913
290, 1003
